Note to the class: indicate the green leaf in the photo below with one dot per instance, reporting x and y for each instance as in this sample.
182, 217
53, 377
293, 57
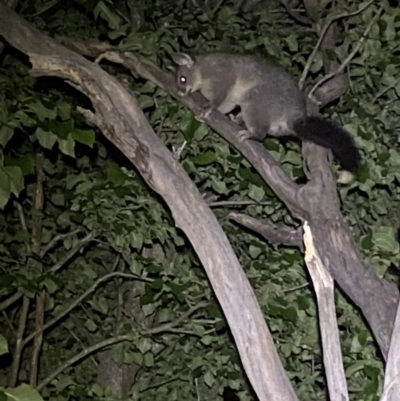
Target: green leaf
143, 345
100, 305
289, 314
113, 20
91, 325
11, 181
209, 379
137, 358
6, 134
97, 390
67, 146
16, 179
136, 240
189, 126
291, 41
204, 159
115, 175
254, 251
87, 137
256, 193
63, 382
384, 238
145, 101
25, 163
73, 180
207, 340
64, 110
60, 128
219, 186
23, 393
41, 111
148, 359
46, 138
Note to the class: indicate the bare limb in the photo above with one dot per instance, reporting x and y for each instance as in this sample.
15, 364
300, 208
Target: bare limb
281, 235
332, 354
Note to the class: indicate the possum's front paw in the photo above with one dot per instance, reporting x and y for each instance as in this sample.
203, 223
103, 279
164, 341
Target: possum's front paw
204, 114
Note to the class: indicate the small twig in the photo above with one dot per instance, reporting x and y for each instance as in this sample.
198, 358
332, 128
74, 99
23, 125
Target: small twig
57, 238
82, 355
384, 90
169, 326
163, 383
299, 287
176, 152
79, 300
69, 255
79, 341
9, 323
21, 216
321, 38
215, 9
350, 56
9, 301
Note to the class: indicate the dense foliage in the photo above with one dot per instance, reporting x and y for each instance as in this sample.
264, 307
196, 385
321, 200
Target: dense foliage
141, 280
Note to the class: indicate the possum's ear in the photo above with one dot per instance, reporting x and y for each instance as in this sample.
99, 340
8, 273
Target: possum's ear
183, 59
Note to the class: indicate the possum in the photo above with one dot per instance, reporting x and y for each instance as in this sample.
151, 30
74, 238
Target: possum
269, 99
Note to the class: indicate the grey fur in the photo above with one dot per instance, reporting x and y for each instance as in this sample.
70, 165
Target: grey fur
269, 97
271, 102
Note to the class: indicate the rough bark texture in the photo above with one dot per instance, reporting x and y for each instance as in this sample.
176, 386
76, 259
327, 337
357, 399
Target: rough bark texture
122, 122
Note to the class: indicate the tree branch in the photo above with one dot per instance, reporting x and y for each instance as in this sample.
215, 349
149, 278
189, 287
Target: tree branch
281, 235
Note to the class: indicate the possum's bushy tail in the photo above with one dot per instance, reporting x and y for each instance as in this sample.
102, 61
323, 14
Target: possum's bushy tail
328, 135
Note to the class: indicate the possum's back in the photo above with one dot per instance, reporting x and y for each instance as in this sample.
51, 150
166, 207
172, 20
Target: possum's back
276, 81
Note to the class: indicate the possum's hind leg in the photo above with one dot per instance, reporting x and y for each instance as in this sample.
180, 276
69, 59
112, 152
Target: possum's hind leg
256, 127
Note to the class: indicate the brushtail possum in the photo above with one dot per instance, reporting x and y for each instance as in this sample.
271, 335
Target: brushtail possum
270, 101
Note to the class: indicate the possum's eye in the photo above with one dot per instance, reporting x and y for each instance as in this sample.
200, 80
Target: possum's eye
182, 79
